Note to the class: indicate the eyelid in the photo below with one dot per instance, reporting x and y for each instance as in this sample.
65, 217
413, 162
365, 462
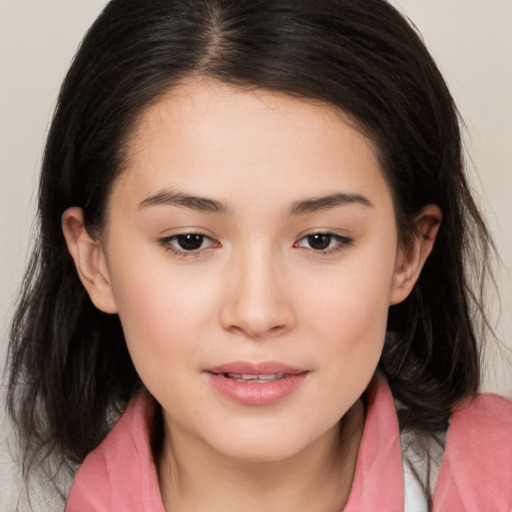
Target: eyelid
343, 242
168, 246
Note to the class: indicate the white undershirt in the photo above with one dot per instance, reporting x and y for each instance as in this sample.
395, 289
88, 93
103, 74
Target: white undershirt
421, 461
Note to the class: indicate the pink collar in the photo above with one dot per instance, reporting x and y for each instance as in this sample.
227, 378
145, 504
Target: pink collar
378, 480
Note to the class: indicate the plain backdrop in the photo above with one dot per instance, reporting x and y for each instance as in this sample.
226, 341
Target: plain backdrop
470, 39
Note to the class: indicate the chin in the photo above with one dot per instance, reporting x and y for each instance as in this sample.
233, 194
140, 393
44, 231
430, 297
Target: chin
264, 444
261, 452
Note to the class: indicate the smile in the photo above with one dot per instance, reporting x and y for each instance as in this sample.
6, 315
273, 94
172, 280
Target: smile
256, 383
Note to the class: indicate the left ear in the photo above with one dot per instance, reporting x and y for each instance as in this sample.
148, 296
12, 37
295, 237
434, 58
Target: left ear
414, 251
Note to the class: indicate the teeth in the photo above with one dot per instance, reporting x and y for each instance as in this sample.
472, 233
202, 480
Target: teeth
245, 377
269, 377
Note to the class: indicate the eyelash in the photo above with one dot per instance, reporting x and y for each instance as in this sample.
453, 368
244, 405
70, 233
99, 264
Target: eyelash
167, 244
341, 243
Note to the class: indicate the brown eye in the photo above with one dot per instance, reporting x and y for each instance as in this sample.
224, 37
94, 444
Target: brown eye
324, 242
319, 241
190, 242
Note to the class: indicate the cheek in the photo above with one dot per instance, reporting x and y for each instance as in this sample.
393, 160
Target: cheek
349, 311
354, 298
357, 328
162, 313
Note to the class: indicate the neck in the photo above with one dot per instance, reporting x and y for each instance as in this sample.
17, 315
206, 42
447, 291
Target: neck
318, 479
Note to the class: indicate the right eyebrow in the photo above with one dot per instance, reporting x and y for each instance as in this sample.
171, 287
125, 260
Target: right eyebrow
169, 198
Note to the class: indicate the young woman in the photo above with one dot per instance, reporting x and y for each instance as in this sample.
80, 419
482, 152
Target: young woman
251, 290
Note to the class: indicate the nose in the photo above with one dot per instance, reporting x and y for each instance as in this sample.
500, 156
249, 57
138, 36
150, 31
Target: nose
257, 297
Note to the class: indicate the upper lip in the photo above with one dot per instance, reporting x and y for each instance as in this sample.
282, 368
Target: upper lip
252, 368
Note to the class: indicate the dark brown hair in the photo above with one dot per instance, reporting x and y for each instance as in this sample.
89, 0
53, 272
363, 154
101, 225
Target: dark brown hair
70, 372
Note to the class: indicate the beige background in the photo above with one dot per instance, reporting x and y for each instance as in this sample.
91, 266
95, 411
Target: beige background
470, 39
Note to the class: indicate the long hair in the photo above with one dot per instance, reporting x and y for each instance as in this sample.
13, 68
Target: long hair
70, 371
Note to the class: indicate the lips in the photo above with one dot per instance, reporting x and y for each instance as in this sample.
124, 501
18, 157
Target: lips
256, 383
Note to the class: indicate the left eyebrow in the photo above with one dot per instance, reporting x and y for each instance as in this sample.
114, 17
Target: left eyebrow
328, 202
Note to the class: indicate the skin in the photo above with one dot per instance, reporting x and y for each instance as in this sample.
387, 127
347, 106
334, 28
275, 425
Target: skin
257, 289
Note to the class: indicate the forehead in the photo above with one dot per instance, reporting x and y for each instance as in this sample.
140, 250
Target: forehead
208, 133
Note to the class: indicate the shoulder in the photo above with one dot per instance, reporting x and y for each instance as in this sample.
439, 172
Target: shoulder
487, 409
120, 473
476, 472
482, 427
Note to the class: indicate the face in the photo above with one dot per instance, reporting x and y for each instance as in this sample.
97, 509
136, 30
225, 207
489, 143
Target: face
251, 252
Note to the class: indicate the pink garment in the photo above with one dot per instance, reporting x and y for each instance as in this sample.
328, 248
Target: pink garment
476, 474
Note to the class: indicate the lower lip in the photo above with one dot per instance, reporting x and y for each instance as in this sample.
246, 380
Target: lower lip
257, 393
